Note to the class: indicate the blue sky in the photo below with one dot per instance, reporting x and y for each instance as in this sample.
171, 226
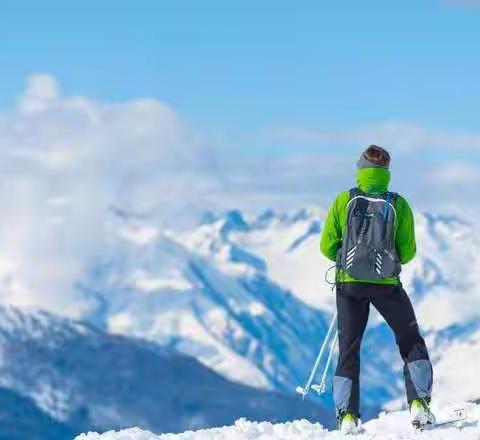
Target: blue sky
271, 79
247, 65
168, 109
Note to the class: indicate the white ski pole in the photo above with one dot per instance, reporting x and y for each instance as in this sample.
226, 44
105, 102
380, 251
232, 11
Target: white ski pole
305, 390
321, 388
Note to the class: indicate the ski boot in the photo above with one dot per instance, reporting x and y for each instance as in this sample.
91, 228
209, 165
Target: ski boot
347, 423
420, 413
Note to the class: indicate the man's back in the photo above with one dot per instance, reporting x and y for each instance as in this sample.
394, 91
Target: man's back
374, 182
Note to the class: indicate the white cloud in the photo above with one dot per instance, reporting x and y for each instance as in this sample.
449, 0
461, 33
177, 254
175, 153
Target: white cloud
42, 92
455, 174
286, 181
399, 136
64, 162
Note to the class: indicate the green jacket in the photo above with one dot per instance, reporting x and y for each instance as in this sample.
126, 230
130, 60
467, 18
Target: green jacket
372, 181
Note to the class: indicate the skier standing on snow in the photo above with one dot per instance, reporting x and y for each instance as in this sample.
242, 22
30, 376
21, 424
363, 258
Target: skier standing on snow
369, 232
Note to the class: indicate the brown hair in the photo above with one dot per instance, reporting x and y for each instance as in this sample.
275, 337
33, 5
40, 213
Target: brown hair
377, 155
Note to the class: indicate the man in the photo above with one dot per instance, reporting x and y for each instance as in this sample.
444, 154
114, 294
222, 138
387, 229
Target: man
369, 232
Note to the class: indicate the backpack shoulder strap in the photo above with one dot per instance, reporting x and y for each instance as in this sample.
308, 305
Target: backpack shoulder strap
393, 196
354, 192
390, 199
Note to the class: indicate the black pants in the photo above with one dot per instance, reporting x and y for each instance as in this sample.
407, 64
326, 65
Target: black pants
392, 302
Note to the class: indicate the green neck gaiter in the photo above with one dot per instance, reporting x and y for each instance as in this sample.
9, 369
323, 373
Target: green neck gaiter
373, 180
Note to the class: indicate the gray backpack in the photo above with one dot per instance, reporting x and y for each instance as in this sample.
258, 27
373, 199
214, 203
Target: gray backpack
368, 249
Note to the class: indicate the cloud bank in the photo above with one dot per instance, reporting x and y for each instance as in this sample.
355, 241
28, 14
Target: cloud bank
67, 162
399, 136
64, 163
455, 174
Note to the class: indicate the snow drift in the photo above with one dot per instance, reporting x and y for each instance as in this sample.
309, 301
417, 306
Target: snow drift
392, 426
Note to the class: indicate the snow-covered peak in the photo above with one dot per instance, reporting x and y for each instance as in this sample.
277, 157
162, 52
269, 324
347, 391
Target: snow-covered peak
170, 294
285, 247
34, 324
234, 220
282, 245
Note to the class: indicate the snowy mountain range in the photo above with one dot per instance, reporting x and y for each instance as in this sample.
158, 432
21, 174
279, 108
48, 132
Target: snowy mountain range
241, 295
59, 377
243, 325
246, 296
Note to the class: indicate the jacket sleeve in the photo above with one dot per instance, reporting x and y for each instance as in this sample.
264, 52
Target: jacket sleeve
405, 238
332, 230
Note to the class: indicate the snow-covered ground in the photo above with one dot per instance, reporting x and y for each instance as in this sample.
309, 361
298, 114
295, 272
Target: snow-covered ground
392, 426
